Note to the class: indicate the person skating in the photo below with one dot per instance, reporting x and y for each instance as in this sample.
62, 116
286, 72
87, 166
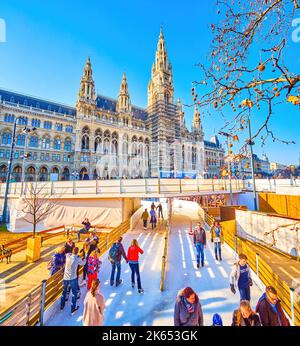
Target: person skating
93, 267
241, 276
94, 304
188, 310
217, 238
200, 243
115, 255
160, 211
270, 310
84, 252
153, 207
70, 278
87, 225
145, 217
58, 261
245, 316
69, 246
153, 219
133, 260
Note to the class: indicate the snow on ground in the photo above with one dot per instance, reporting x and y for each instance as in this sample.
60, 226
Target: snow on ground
125, 306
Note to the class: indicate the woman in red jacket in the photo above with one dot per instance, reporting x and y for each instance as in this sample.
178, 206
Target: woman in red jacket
133, 260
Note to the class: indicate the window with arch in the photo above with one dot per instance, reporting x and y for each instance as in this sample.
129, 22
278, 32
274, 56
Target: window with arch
68, 144
21, 139
48, 125
9, 118
69, 129
6, 138
23, 121
57, 143
36, 123
85, 139
34, 142
46, 143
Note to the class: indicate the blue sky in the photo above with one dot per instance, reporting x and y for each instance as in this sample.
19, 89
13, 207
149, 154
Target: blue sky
47, 43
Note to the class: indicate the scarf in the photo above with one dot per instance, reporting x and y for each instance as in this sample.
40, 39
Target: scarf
190, 307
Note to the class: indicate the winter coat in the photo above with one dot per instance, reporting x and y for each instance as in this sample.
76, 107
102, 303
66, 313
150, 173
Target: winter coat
214, 235
153, 216
235, 274
120, 253
239, 321
184, 318
58, 263
133, 253
86, 225
93, 313
72, 263
93, 265
145, 215
267, 314
200, 236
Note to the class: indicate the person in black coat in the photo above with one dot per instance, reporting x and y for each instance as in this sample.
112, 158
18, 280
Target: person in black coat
244, 316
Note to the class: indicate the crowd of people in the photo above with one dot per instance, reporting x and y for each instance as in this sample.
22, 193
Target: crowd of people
188, 309
156, 213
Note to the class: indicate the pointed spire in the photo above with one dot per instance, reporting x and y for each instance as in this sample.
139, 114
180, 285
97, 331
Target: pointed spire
196, 120
161, 34
87, 85
124, 104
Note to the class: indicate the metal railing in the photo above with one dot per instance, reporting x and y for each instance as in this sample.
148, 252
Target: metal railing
29, 310
290, 301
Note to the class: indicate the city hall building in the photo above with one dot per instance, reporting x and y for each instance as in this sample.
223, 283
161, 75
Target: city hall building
106, 138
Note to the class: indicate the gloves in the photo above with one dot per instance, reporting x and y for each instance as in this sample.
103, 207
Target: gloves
250, 282
232, 289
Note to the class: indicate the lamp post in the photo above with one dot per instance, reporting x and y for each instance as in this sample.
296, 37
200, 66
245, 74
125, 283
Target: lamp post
12, 146
26, 130
250, 142
227, 135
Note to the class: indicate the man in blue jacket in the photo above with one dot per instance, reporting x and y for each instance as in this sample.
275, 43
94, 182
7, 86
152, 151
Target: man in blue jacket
200, 243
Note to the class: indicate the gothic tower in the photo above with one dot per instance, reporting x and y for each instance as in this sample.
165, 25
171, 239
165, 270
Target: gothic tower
197, 128
124, 104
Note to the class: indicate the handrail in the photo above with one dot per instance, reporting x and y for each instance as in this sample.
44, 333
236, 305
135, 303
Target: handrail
10, 316
289, 298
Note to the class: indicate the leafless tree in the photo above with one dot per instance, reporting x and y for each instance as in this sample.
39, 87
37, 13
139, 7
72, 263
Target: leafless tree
249, 31
38, 203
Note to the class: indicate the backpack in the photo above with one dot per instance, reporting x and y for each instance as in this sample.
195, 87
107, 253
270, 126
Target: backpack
113, 253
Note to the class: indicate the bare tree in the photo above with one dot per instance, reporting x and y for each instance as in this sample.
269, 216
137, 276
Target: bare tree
38, 204
256, 31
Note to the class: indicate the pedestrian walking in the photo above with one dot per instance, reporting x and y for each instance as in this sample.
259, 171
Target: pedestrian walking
270, 310
87, 225
133, 259
188, 310
115, 255
94, 304
145, 217
160, 211
153, 219
241, 276
245, 316
153, 207
200, 243
69, 246
93, 268
217, 238
217, 321
70, 278
58, 261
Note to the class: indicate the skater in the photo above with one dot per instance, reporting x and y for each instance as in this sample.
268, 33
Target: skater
241, 275
153, 219
145, 217
153, 207
93, 268
84, 252
115, 255
133, 260
70, 278
217, 238
188, 310
94, 304
69, 246
58, 261
270, 310
160, 211
200, 243
217, 321
244, 316
87, 225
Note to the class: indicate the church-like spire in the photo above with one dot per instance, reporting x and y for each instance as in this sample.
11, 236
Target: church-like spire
87, 85
124, 104
196, 121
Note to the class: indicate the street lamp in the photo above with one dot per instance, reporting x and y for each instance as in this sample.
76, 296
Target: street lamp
227, 135
12, 146
26, 130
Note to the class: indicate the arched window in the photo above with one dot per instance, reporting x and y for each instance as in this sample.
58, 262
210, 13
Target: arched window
36, 123
9, 118
34, 142
46, 143
21, 140
6, 138
57, 144
68, 145
85, 142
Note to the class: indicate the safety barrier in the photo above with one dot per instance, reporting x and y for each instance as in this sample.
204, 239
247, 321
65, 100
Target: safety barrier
29, 310
290, 300
165, 254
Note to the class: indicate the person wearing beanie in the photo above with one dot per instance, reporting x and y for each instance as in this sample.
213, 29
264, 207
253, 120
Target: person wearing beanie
217, 320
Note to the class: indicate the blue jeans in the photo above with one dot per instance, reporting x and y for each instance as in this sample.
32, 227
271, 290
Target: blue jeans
145, 223
218, 249
82, 231
245, 293
135, 269
74, 287
113, 269
200, 253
